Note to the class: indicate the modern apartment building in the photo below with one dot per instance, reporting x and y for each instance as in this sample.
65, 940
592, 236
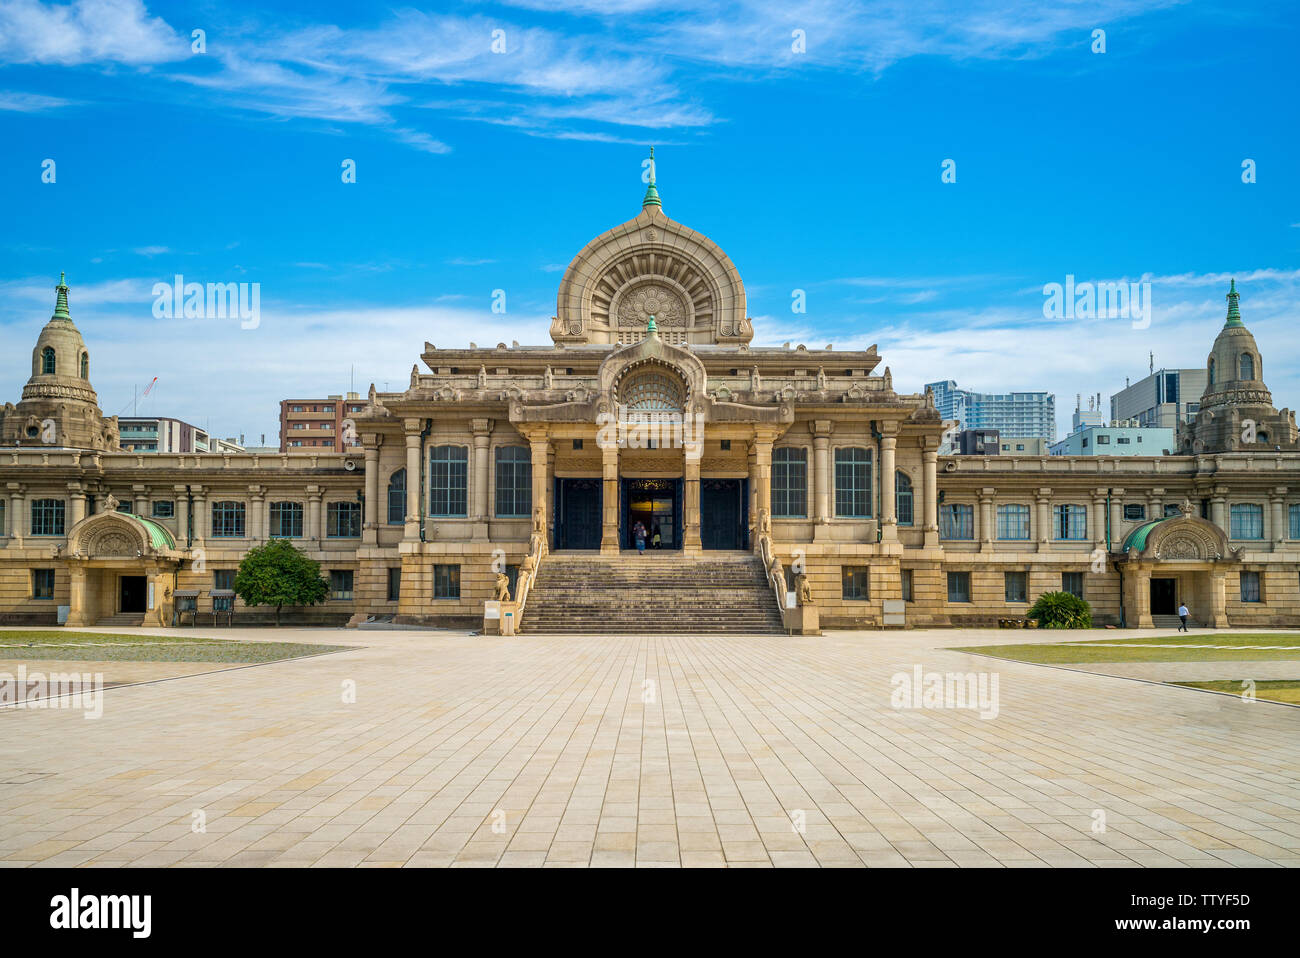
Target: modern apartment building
1117, 439
1029, 414
319, 425
1165, 398
164, 434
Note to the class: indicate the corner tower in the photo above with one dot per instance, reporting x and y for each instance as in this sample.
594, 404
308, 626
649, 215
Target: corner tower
59, 407
1237, 412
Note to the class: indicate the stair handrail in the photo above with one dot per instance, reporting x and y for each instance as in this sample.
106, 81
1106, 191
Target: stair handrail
772, 570
524, 582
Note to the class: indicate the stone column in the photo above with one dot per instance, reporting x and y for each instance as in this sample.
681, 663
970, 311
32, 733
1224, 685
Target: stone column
821, 432
78, 511
888, 477
1155, 503
930, 459
182, 515
763, 462
691, 503
540, 450
609, 544
1218, 599
1097, 519
201, 518
256, 513
140, 499
78, 613
412, 531
1043, 499
1116, 538
1142, 599
370, 516
480, 504
1218, 508
1277, 526
313, 529
18, 518
984, 533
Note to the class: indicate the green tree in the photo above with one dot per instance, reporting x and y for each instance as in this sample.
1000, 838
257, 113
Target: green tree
1061, 610
278, 574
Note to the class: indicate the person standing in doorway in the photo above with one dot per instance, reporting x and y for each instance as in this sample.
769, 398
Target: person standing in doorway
1182, 618
656, 538
638, 533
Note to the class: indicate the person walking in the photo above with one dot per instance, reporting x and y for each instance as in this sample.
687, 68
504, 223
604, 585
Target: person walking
638, 532
656, 539
1182, 618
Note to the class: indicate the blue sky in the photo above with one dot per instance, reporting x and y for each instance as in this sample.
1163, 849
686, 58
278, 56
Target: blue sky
817, 170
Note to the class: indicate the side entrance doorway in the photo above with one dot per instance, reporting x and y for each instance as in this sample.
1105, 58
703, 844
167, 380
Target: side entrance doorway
656, 504
1164, 596
131, 594
577, 513
724, 513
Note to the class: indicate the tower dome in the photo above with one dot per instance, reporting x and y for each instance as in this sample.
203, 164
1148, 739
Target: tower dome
1237, 411
59, 406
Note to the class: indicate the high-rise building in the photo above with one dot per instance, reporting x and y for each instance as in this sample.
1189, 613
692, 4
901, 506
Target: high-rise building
1165, 398
319, 425
1025, 414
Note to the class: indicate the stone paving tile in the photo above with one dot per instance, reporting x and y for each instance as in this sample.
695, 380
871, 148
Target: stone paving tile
753, 751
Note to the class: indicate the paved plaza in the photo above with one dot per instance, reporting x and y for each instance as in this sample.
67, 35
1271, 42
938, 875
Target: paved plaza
647, 751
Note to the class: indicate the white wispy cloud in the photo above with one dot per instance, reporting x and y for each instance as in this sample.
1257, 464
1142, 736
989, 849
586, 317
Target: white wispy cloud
18, 102
86, 31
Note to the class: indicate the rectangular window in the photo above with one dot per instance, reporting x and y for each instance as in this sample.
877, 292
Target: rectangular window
790, 482
726, 445
1103, 440
853, 483
340, 583
448, 471
1134, 512
906, 575
1293, 516
394, 584
1071, 522
514, 482
1013, 521
42, 583
223, 579
958, 586
854, 582
446, 582
227, 520
1250, 587
47, 517
164, 509
1016, 586
956, 521
1172, 510
1246, 521
3, 529
343, 520
577, 445
286, 520
1072, 582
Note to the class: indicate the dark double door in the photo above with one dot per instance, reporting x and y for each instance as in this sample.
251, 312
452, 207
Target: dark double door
1164, 596
724, 513
132, 594
577, 513
657, 505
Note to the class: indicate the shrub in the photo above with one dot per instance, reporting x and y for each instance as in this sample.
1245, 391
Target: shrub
279, 574
1061, 610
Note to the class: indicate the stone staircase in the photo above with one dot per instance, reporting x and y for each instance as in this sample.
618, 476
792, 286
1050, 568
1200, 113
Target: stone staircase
658, 592
122, 620
1171, 622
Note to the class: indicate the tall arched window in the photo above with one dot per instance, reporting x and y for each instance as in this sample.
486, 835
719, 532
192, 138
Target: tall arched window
1247, 366
47, 361
397, 498
85, 365
903, 497
1211, 372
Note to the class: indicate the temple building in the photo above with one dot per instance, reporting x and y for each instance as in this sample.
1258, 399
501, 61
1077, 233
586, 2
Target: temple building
777, 488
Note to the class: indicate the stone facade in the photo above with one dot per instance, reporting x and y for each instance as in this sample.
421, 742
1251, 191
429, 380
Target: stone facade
651, 405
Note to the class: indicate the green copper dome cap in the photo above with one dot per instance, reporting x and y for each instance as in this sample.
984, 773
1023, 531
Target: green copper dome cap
651, 194
61, 304
651, 329
1234, 311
